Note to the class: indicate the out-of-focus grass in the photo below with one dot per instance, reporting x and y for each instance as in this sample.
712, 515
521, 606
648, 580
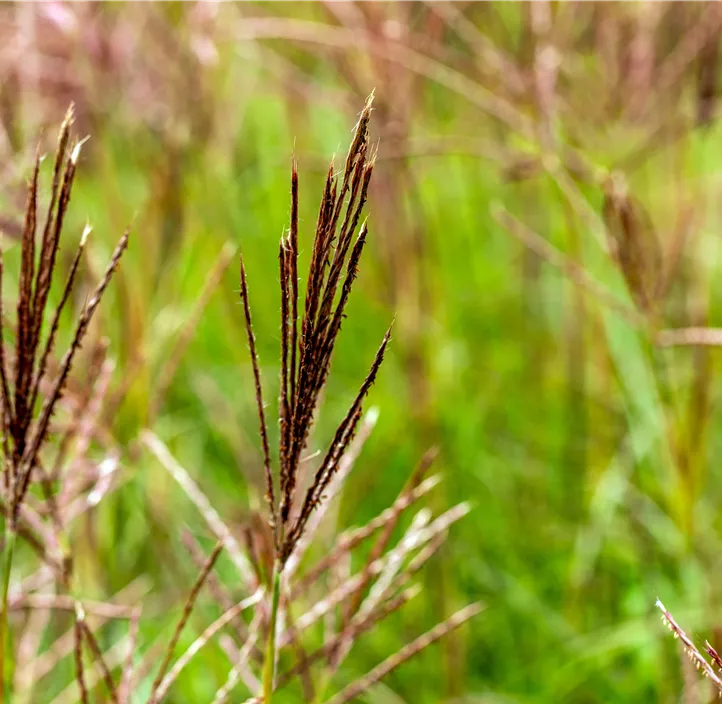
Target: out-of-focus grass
552, 413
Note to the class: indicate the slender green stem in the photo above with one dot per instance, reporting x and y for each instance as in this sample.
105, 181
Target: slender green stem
270, 660
321, 689
9, 549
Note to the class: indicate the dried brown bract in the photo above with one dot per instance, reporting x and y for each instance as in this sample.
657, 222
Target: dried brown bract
634, 244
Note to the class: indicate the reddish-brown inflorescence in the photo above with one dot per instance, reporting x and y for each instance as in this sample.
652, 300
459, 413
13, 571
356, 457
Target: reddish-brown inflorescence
306, 358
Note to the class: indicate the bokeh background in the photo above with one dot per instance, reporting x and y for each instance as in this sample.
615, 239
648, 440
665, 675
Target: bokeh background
545, 209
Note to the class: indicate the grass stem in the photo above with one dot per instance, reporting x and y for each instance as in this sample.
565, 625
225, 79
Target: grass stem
9, 549
270, 660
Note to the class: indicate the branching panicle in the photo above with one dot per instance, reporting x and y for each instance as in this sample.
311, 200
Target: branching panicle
306, 359
23, 433
41, 427
329, 465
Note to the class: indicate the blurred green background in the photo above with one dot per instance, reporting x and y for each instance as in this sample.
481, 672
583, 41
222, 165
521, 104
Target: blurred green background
590, 452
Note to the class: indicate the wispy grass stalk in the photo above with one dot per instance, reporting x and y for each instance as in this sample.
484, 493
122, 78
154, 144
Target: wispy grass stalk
408, 651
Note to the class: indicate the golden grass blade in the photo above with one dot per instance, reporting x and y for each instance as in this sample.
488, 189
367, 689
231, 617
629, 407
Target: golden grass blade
155, 693
408, 651
350, 634
203, 639
219, 529
690, 337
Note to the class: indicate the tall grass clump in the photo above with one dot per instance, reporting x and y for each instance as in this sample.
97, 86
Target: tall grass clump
306, 353
294, 612
33, 382
296, 497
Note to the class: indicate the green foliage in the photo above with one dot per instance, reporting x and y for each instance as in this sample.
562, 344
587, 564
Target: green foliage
559, 419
